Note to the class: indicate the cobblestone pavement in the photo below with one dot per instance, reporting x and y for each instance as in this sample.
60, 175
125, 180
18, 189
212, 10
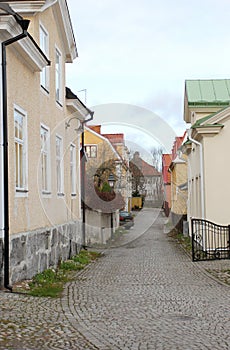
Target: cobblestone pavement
144, 295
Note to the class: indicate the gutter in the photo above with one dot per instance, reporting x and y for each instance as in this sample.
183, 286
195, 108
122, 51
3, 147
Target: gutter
201, 170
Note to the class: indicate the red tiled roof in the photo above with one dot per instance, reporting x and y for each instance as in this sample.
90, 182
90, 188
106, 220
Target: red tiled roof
96, 128
145, 168
115, 138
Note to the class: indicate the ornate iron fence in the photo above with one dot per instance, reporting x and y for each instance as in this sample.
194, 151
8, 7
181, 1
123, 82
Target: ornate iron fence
209, 241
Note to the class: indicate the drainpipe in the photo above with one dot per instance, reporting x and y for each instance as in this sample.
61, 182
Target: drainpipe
201, 170
83, 160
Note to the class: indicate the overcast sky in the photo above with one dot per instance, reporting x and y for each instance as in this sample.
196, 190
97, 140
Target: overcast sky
141, 52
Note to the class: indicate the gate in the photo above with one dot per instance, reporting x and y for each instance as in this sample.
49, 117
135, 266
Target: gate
209, 241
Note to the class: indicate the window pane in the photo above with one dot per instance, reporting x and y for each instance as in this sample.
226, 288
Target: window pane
20, 154
44, 48
58, 75
44, 158
59, 164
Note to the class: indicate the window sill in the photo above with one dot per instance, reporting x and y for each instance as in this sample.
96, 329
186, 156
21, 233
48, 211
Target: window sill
44, 90
59, 104
46, 193
21, 192
61, 194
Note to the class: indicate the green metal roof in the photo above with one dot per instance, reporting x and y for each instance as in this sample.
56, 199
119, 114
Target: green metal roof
213, 92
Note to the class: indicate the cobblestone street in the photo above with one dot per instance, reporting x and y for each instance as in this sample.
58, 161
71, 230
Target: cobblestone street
144, 293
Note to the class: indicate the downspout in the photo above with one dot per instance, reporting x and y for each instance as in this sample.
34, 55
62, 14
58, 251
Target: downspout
83, 160
5, 153
201, 171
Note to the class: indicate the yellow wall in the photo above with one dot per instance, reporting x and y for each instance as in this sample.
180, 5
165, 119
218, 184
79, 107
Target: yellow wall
178, 197
36, 210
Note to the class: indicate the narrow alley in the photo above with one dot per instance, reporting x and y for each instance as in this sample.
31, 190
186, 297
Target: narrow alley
145, 293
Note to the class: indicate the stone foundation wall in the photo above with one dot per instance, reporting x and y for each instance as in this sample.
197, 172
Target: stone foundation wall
33, 252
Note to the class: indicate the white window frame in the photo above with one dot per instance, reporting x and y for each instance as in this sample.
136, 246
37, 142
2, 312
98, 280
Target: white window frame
89, 153
73, 169
21, 185
44, 45
59, 166
45, 150
58, 77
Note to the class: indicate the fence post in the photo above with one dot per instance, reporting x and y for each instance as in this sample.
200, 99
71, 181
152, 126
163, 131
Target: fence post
193, 248
228, 241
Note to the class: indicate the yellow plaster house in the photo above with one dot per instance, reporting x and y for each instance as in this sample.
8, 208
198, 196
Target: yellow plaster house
206, 107
179, 178
104, 157
44, 142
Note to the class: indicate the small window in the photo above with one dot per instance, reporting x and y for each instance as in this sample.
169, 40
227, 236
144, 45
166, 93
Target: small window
45, 159
73, 169
44, 44
91, 151
59, 165
20, 150
58, 76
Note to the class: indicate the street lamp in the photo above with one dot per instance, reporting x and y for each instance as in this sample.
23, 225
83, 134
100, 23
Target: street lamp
111, 180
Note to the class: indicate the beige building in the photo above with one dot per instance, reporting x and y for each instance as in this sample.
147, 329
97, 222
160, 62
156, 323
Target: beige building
44, 142
207, 108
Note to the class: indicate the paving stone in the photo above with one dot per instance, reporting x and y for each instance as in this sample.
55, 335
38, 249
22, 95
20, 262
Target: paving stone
144, 294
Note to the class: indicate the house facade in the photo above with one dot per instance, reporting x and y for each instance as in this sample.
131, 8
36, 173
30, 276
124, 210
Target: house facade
147, 181
102, 161
206, 107
123, 183
44, 141
179, 192
166, 176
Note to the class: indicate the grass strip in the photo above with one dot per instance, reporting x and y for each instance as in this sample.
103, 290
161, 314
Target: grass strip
51, 282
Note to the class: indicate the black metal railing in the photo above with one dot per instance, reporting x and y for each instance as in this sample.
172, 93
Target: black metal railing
209, 241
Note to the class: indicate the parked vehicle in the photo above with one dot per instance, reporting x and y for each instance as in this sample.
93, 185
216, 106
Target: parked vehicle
126, 218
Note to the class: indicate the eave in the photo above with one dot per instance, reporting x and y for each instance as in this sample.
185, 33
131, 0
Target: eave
207, 130
34, 58
77, 109
62, 17
27, 7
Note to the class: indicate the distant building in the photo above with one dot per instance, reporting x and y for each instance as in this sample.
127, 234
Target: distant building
179, 186
166, 161
146, 180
